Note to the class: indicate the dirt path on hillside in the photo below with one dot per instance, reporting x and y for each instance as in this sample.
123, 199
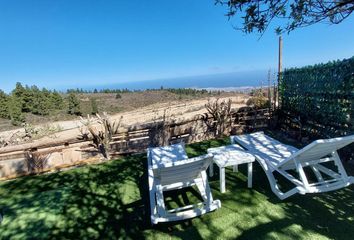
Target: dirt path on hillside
179, 110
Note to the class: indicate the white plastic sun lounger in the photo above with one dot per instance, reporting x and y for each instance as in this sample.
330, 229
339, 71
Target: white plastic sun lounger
169, 168
275, 156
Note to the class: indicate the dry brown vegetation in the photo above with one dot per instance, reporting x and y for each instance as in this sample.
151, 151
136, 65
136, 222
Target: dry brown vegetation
137, 108
107, 102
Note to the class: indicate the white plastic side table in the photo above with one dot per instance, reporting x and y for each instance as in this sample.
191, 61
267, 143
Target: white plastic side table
231, 155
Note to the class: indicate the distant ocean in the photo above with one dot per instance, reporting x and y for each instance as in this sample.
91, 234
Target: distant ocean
216, 81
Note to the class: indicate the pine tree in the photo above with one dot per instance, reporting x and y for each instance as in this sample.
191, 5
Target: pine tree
34, 104
41, 104
4, 111
73, 105
56, 100
15, 110
19, 93
27, 97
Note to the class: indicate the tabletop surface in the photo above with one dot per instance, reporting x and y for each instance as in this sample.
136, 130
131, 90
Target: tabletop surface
230, 155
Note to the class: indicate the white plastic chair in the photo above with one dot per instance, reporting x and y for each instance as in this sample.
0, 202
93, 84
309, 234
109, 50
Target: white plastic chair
275, 156
169, 168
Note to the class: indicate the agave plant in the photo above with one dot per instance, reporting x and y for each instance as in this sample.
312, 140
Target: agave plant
101, 135
35, 161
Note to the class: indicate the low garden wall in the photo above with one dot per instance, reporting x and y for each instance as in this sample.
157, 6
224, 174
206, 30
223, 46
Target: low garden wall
36, 158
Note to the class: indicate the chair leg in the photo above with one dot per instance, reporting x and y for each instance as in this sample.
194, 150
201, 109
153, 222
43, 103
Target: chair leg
211, 169
222, 179
317, 173
249, 178
276, 190
204, 188
339, 165
160, 201
302, 174
273, 182
152, 196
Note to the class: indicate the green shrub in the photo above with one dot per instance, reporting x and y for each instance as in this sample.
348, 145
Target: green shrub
74, 107
322, 96
258, 100
94, 108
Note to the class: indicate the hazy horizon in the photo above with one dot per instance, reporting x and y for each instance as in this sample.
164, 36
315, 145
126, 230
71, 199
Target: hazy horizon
224, 80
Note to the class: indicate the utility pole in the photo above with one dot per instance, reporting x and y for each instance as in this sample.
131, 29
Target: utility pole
269, 90
280, 65
280, 58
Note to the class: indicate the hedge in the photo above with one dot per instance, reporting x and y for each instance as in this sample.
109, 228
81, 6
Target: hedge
320, 98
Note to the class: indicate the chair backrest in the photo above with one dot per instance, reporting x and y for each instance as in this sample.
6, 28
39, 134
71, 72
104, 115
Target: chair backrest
183, 171
171, 164
283, 155
160, 156
320, 149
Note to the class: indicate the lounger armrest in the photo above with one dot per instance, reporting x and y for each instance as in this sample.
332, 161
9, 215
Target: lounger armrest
207, 157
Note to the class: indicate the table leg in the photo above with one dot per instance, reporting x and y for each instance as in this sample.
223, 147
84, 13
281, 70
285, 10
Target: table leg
236, 168
249, 183
222, 179
211, 169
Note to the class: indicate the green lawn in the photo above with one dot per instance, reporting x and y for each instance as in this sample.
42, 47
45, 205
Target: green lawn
109, 201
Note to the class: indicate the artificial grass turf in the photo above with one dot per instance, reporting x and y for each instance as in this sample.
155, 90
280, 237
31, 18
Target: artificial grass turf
110, 201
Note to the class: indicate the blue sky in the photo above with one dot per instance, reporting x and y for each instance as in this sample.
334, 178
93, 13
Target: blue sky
69, 43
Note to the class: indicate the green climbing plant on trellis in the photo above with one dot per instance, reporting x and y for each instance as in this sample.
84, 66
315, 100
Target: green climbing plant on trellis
321, 96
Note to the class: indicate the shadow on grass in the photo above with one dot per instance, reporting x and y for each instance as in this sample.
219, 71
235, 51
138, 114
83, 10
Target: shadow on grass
330, 215
110, 201
88, 202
